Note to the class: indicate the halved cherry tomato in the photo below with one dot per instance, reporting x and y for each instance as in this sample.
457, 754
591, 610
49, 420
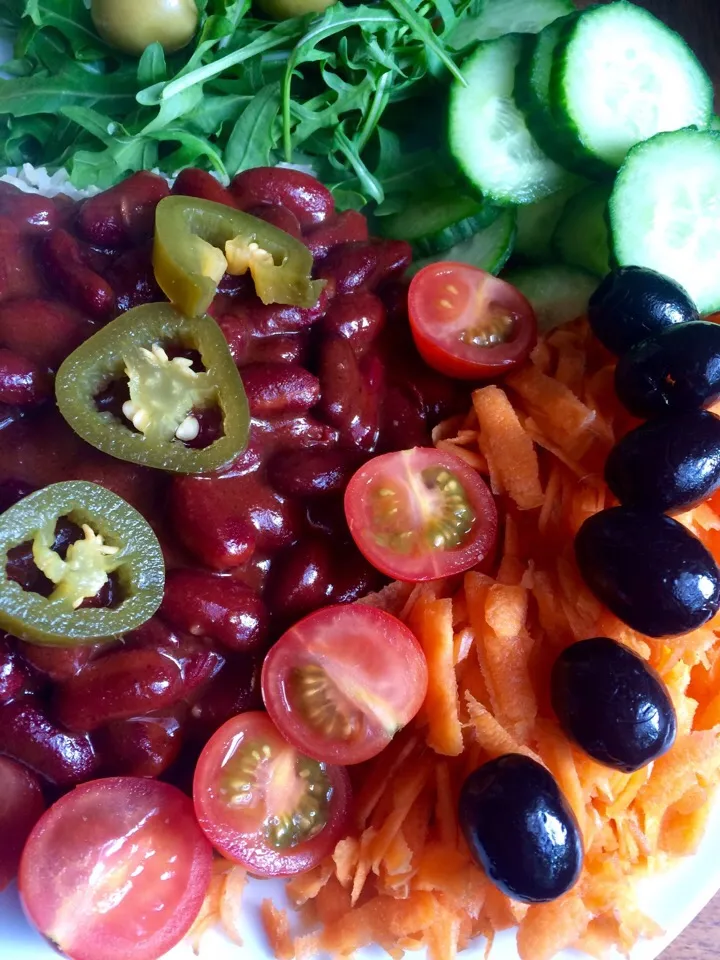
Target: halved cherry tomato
21, 806
342, 682
468, 323
116, 869
263, 804
421, 514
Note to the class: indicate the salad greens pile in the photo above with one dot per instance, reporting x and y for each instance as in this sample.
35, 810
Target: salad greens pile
329, 90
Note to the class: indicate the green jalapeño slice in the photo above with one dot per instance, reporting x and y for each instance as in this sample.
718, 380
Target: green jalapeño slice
116, 542
164, 394
197, 241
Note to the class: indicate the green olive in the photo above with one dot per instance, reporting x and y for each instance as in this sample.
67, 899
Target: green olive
131, 25
285, 9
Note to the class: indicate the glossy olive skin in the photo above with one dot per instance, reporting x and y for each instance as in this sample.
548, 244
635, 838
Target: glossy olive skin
669, 464
649, 570
520, 829
131, 25
285, 9
674, 371
633, 303
612, 704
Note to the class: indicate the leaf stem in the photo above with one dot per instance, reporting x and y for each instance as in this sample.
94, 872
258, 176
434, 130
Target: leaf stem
201, 74
423, 31
379, 102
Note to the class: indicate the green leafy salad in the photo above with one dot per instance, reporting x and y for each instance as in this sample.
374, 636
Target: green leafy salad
330, 90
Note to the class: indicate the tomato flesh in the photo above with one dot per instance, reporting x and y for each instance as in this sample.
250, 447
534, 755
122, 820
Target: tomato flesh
21, 806
341, 683
116, 869
467, 323
263, 804
421, 514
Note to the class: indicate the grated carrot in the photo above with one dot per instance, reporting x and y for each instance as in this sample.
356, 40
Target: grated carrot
277, 929
404, 877
509, 451
431, 620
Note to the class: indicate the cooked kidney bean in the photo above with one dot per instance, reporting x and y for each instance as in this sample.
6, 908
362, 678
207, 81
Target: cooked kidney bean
29, 736
19, 275
16, 678
357, 317
301, 579
58, 663
355, 577
327, 515
219, 608
21, 806
97, 259
293, 432
213, 535
350, 394
133, 279
238, 335
290, 349
402, 422
278, 216
353, 266
394, 257
122, 215
203, 185
276, 318
42, 331
342, 228
439, 396
82, 287
222, 520
234, 690
365, 265
32, 214
274, 388
311, 473
130, 683
154, 634
300, 193
140, 746
22, 382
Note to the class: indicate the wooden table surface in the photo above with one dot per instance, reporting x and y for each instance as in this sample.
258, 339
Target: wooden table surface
701, 940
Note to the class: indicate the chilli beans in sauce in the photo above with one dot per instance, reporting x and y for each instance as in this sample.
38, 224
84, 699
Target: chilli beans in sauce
248, 549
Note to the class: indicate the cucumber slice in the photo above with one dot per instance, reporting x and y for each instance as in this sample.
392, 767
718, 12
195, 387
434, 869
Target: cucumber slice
434, 224
489, 249
715, 123
488, 134
536, 223
558, 294
532, 89
665, 211
620, 76
495, 18
582, 237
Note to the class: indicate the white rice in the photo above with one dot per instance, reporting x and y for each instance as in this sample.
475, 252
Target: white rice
37, 180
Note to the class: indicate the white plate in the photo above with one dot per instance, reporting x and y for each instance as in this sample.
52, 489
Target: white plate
673, 900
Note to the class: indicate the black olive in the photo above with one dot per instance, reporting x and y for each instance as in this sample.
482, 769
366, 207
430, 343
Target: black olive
612, 704
633, 303
667, 464
649, 570
676, 370
520, 829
